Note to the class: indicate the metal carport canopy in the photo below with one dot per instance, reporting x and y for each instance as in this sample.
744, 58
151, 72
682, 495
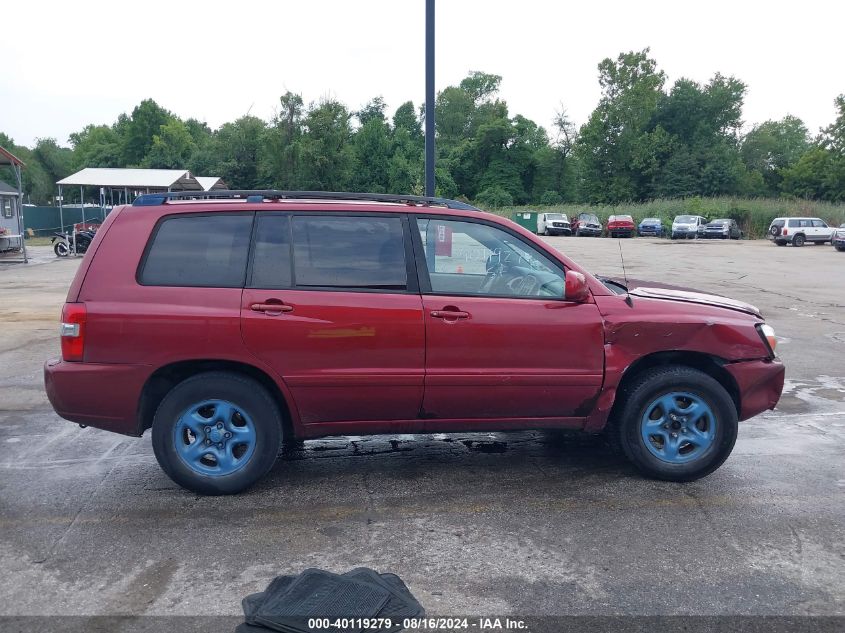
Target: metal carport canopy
133, 178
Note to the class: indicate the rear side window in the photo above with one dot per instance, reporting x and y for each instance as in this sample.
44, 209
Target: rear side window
778, 223
199, 250
357, 253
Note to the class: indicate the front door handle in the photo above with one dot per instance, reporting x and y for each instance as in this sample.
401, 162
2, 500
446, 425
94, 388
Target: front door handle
273, 309
449, 315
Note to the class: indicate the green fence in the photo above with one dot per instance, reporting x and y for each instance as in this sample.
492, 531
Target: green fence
45, 220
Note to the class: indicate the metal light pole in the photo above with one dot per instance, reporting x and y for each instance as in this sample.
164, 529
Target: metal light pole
429, 97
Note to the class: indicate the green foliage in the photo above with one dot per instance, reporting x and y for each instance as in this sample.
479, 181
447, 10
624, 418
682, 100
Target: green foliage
172, 147
550, 198
138, 131
494, 197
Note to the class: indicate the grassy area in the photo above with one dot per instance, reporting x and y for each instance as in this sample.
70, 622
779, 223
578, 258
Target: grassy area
754, 215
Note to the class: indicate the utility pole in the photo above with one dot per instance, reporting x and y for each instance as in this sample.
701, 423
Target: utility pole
429, 97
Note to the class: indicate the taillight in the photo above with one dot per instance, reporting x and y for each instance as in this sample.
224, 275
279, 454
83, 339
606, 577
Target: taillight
72, 331
784, 230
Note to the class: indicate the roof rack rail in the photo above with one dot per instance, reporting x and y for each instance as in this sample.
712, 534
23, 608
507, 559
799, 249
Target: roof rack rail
259, 195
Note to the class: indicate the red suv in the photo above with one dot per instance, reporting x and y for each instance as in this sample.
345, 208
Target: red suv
227, 325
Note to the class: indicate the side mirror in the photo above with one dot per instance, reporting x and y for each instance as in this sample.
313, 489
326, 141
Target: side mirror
576, 287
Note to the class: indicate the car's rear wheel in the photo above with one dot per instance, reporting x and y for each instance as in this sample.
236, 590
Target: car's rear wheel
677, 423
798, 240
217, 433
840, 248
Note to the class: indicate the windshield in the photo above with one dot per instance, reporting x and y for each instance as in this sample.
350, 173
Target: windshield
720, 222
555, 216
684, 219
627, 218
587, 217
651, 221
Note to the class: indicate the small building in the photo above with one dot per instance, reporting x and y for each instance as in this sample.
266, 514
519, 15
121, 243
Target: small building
11, 197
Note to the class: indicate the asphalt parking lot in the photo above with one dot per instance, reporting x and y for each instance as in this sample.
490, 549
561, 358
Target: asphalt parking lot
529, 524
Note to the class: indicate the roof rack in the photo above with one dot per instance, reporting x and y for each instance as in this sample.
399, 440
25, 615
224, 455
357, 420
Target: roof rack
259, 195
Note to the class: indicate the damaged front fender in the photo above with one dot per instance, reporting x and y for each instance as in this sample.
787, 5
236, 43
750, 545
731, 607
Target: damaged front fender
650, 331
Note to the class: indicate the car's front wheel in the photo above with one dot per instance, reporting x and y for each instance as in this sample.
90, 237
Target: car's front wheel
217, 433
677, 423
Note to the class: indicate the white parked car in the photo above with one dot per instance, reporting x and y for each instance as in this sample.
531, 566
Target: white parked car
797, 231
687, 226
553, 224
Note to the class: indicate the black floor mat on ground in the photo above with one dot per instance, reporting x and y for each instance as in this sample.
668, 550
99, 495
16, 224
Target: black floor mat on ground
289, 601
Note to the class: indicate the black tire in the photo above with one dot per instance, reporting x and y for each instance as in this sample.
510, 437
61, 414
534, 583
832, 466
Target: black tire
774, 230
61, 249
798, 240
577, 232
546, 232
246, 394
840, 248
644, 390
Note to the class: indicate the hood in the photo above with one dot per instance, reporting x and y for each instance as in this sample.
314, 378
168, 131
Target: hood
690, 296
651, 290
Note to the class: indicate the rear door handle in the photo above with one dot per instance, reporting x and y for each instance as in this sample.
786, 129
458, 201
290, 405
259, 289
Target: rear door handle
271, 308
449, 314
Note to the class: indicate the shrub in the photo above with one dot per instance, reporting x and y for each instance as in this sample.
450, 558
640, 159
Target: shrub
494, 198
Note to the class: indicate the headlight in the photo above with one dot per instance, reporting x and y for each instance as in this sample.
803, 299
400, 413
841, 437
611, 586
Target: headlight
767, 333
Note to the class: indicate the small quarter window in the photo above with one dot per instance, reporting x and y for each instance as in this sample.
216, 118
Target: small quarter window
200, 250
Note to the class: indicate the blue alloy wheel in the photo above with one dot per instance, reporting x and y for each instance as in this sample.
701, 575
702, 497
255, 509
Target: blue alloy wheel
678, 427
214, 437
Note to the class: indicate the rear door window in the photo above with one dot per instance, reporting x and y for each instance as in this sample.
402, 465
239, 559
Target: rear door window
349, 253
198, 251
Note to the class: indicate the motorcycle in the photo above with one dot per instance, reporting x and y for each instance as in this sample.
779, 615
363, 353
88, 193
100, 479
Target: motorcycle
63, 243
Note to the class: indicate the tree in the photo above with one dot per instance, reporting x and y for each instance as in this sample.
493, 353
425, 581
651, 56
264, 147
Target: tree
327, 155
772, 147
138, 131
96, 146
282, 145
237, 147
631, 87
172, 147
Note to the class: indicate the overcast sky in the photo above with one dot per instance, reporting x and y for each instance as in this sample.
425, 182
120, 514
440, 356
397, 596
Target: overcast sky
73, 62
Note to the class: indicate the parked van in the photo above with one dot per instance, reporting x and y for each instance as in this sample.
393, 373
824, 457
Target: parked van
687, 226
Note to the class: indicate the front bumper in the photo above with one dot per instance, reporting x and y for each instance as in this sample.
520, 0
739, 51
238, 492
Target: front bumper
102, 396
760, 385
715, 235
685, 233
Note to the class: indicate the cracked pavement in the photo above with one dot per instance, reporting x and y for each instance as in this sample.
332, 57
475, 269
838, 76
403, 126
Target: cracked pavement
528, 523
